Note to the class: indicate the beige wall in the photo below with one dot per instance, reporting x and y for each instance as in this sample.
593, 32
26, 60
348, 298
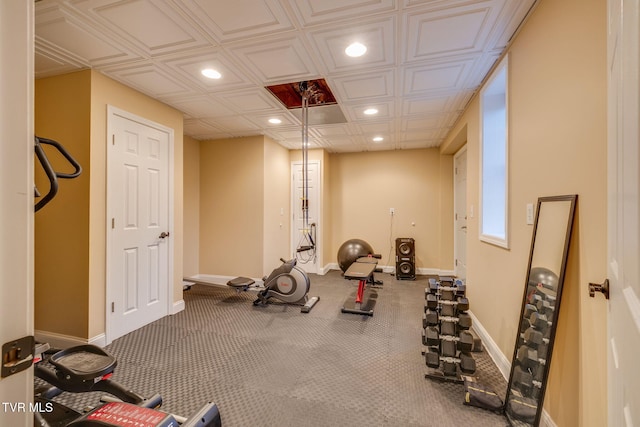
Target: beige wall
232, 206
277, 212
191, 206
245, 182
71, 243
557, 96
62, 226
418, 184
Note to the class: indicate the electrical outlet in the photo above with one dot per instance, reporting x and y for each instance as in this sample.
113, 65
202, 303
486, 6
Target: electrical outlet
392, 211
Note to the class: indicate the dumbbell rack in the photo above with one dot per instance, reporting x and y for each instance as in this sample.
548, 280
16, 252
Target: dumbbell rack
445, 332
530, 360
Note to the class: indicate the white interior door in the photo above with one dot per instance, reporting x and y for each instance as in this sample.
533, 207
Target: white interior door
460, 214
624, 213
16, 201
138, 223
308, 260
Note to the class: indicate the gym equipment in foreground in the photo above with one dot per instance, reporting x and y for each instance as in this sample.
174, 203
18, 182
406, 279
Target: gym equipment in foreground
88, 368
362, 270
446, 331
288, 284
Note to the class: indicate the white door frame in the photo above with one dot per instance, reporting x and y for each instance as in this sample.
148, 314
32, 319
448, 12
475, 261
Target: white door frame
456, 249
16, 198
295, 206
623, 215
111, 112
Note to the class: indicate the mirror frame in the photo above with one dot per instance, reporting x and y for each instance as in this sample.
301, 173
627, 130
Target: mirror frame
561, 275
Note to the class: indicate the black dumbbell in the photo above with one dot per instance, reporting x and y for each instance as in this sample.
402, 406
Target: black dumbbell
539, 321
529, 309
446, 281
465, 342
432, 358
461, 288
463, 304
527, 357
522, 380
430, 336
430, 318
464, 321
533, 337
447, 328
432, 301
448, 348
449, 368
432, 288
467, 363
544, 306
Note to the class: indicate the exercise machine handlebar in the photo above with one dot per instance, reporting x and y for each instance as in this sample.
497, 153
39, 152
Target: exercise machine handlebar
53, 175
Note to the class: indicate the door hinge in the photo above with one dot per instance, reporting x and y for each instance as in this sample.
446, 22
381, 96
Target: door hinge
456, 263
113, 223
17, 355
113, 139
113, 307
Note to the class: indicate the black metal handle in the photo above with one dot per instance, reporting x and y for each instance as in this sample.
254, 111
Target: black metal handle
52, 175
163, 235
599, 287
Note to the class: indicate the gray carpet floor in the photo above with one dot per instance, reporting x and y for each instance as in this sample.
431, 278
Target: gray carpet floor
275, 366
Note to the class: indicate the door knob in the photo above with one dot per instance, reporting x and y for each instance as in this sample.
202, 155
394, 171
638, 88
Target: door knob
164, 234
597, 287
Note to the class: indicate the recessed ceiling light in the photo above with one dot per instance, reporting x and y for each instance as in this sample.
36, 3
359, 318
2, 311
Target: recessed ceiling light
355, 50
378, 139
211, 73
371, 111
275, 121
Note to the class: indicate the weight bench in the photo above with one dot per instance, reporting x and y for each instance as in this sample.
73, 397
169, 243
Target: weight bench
363, 270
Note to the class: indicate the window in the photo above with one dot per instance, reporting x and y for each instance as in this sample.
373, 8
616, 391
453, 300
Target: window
494, 157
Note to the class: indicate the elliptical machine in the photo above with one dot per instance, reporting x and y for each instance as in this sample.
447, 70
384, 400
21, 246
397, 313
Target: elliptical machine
288, 284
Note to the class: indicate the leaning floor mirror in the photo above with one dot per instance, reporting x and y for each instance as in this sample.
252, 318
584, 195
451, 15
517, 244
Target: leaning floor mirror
540, 307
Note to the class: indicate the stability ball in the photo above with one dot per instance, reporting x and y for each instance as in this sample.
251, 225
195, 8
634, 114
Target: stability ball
544, 276
351, 250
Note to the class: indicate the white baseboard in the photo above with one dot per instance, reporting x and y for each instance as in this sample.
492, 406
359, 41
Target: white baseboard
178, 306
327, 268
56, 340
501, 361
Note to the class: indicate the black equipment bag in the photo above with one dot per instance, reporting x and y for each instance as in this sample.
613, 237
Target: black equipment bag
481, 396
523, 409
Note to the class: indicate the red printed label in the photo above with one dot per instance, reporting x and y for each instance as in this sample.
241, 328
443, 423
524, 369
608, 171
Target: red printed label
127, 415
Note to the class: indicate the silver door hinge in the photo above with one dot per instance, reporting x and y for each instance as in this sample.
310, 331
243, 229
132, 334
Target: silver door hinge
113, 223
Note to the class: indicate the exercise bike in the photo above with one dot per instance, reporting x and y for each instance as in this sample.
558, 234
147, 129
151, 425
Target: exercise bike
88, 368
288, 284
